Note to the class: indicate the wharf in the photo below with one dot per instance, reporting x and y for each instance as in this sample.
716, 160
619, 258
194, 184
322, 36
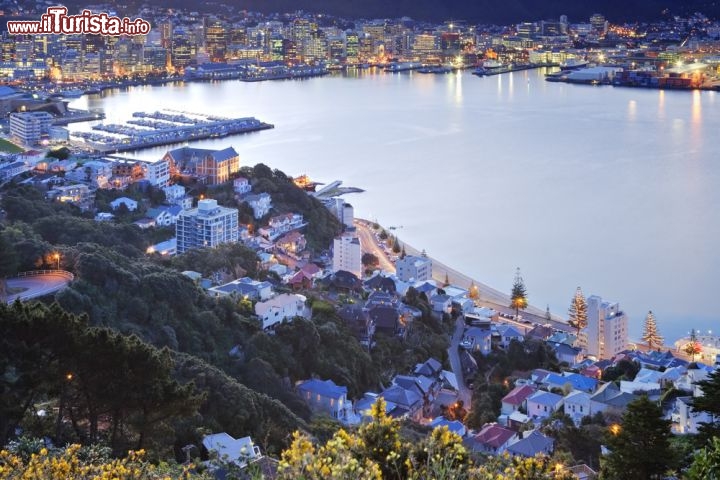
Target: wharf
488, 72
156, 129
75, 115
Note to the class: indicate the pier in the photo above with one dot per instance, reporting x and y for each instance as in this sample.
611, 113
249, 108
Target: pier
164, 128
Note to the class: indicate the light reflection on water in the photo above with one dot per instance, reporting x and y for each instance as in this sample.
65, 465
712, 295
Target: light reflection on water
608, 188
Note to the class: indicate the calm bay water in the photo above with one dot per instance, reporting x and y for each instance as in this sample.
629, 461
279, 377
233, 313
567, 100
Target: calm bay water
614, 190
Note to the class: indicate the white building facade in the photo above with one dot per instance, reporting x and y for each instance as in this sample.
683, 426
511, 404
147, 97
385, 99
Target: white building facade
347, 253
29, 127
607, 328
208, 225
412, 268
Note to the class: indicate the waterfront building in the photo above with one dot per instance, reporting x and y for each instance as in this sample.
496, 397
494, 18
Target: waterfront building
347, 253
213, 166
607, 328
709, 347
413, 268
29, 127
343, 212
208, 225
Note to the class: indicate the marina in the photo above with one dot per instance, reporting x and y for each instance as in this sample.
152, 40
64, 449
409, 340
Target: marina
163, 128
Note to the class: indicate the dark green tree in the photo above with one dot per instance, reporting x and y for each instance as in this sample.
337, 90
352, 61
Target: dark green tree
8, 264
518, 296
709, 402
640, 447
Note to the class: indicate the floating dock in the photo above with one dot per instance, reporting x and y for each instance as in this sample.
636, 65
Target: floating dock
164, 128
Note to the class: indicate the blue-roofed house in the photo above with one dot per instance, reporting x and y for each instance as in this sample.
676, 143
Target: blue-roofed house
477, 339
543, 404
577, 405
565, 353
533, 443
508, 333
609, 398
363, 407
408, 403
575, 380
244, 288
324, 396
454, 426
164, 215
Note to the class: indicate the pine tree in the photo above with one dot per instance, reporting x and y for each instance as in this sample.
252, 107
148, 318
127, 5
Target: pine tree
640, 447
447, 281
577, 312
651, 336
693, 347
518, 296
548, 317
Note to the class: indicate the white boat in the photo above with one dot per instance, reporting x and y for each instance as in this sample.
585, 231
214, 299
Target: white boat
573, 63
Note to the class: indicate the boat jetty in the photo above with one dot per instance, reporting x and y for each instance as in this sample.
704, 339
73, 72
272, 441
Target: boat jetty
163, 128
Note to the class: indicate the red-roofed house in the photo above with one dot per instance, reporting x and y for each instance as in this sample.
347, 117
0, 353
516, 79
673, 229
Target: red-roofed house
493, 439
514, 400
304, 277
300, 280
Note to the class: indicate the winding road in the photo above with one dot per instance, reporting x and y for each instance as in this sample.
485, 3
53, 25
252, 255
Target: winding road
37, 283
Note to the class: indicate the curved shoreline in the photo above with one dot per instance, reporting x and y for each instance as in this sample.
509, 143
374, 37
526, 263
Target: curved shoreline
487, 295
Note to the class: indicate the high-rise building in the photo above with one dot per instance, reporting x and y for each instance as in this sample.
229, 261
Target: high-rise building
607, 328
208, 225
412, 268
598, 22
216, 40
347, 253
28, 127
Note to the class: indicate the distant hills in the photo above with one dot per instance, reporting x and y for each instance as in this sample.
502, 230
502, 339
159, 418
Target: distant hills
488, 11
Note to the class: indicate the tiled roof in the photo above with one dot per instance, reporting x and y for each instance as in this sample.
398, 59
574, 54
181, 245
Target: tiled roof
494, 435
518, 395
531, 445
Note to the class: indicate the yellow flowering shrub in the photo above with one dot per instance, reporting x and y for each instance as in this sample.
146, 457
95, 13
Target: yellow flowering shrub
67, 464
506, 467
441, 457
336, 460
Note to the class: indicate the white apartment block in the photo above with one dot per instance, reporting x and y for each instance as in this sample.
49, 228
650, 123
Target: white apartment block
158, 173
412, 268
607, 328
208, 225
280, 309
347, 253
29, 127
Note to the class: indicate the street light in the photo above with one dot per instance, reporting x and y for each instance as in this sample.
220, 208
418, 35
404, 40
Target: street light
57, 258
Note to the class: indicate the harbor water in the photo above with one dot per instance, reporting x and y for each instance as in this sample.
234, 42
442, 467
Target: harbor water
611, 189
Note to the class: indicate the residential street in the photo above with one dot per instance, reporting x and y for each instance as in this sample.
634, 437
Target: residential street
465, 393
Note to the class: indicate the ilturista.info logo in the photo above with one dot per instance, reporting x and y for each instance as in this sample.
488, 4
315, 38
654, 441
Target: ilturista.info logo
57, 21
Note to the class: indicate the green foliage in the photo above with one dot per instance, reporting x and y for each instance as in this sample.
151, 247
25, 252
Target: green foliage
49, 353
709, 402
62, 153
640, 448
706, 465
623, 370
322, 227
370, 260
232, 407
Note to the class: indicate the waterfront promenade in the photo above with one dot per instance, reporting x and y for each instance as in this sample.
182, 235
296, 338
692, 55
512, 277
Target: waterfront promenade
488, 295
